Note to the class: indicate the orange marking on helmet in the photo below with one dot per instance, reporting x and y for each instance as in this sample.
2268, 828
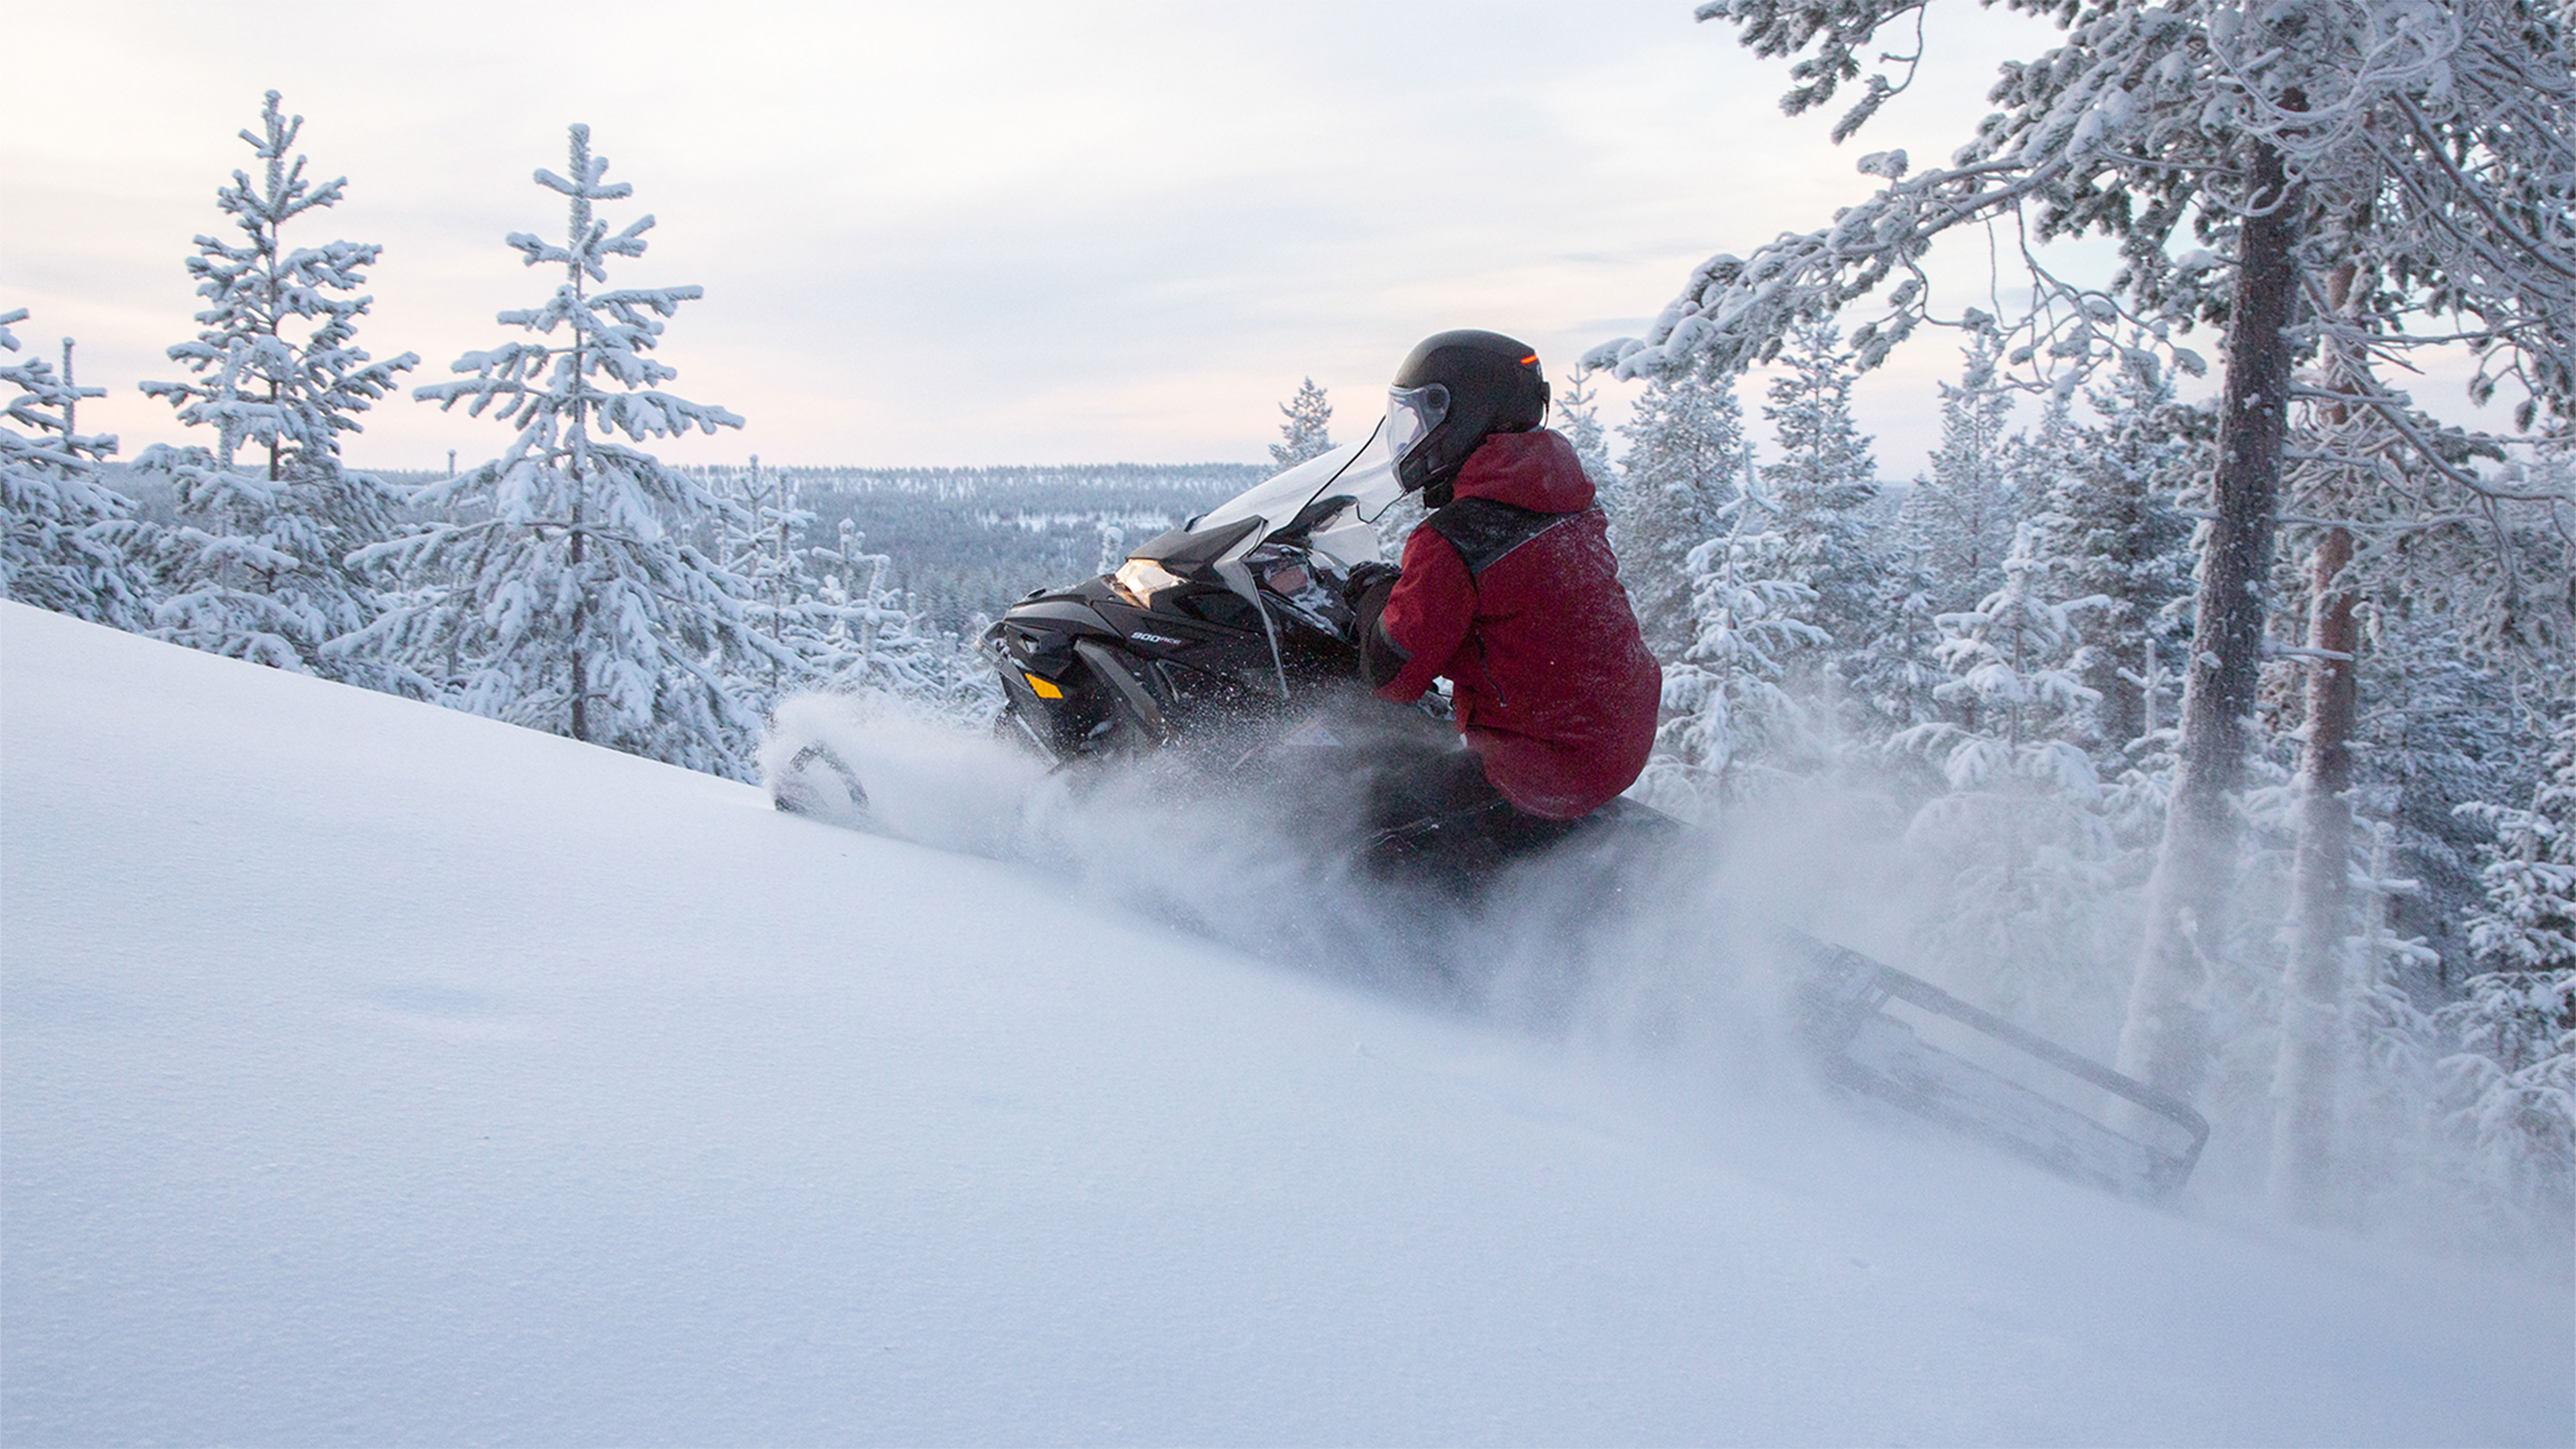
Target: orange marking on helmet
1533, 357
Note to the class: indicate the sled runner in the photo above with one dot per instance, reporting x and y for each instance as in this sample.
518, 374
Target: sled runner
1880, 1033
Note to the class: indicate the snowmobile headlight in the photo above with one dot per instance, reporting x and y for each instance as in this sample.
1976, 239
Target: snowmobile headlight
1140, 579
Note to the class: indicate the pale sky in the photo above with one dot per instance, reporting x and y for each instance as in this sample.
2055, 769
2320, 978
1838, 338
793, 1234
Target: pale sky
998, 233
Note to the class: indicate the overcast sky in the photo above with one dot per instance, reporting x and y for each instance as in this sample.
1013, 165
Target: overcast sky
971, 234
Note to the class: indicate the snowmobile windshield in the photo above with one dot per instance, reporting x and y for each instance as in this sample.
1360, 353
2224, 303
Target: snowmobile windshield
1411, 414
1362, 471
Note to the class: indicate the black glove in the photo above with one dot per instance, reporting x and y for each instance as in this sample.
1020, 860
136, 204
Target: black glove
1381, 659
1364, 577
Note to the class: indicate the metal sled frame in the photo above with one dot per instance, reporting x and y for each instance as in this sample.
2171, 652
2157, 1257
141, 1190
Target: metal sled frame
1843, 1003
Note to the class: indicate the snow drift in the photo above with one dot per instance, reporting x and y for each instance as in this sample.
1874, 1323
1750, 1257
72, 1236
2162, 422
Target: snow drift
375, 1073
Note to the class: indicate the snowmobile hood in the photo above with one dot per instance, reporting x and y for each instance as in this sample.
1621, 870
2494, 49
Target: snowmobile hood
1535, 470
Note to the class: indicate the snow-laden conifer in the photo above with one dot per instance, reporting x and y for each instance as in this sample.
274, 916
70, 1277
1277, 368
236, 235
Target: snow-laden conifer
565, 591
1577, 414
1958, 521
1731, 729
1308, 433
1870, 677
72, 544
259, 567
876, 641
2019, 842
792, 622
2513, 1082
2115, 530
1686, 452
2419, 143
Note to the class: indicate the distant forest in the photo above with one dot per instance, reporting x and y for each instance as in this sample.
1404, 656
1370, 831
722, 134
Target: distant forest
965, 541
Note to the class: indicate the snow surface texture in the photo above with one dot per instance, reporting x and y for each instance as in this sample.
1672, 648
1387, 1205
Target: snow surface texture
378, 1073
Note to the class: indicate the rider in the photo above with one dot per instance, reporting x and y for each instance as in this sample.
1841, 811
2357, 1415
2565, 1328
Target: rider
1509, 590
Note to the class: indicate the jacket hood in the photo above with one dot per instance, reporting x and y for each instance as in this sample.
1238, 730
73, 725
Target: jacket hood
1535, 470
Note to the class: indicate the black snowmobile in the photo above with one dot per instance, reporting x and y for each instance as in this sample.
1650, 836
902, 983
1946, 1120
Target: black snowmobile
1230, 624
1230, 637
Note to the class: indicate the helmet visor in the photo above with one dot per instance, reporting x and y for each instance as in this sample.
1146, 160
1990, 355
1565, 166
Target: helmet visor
1411, 414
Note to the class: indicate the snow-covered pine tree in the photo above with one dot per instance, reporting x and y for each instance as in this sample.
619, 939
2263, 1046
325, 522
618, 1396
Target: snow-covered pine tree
72, 545
1308, 433
1578, 416
876, 642
2035, 461
259, 568
2019, 838
1958, 522
1870, 677
2513, 1082
1686, 451
2115, 529
567, 596
2419, 144
761, 542
1731, 728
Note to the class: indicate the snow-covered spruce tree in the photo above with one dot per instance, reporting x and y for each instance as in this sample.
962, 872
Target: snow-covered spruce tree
1686, 450
876, 641
2018, 840
2469, 630
1870, 679
568, 599
72, 545
2513, 1083
2115, 529
1578, 416
259, 568
762, 542
2036, 460
1308, 433
1958, 522
1731, 729
2418, 141
2367, 479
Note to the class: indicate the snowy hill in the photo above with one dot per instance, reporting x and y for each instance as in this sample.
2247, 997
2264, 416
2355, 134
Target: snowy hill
376, 1073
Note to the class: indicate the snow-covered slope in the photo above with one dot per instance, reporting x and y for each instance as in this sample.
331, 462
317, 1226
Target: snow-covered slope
375, 1073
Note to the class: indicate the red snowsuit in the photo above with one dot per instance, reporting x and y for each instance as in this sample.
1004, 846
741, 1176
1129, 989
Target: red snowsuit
1513, 594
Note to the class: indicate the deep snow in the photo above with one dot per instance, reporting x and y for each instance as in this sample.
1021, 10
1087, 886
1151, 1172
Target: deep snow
377, 1073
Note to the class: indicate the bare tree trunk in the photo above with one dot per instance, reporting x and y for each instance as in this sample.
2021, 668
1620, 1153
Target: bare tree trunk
2312, 999
2305, 1082
2165, 1041
580, 623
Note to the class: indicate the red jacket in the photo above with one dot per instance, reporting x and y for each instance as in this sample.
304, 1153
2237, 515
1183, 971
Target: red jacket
1513, 594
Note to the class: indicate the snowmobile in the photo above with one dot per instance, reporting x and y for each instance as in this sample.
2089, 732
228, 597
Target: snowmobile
1234, 620
1230, 636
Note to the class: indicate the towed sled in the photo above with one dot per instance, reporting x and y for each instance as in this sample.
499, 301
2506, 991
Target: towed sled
1228, 639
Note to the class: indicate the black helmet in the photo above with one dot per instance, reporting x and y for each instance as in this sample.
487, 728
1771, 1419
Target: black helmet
1454, 391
